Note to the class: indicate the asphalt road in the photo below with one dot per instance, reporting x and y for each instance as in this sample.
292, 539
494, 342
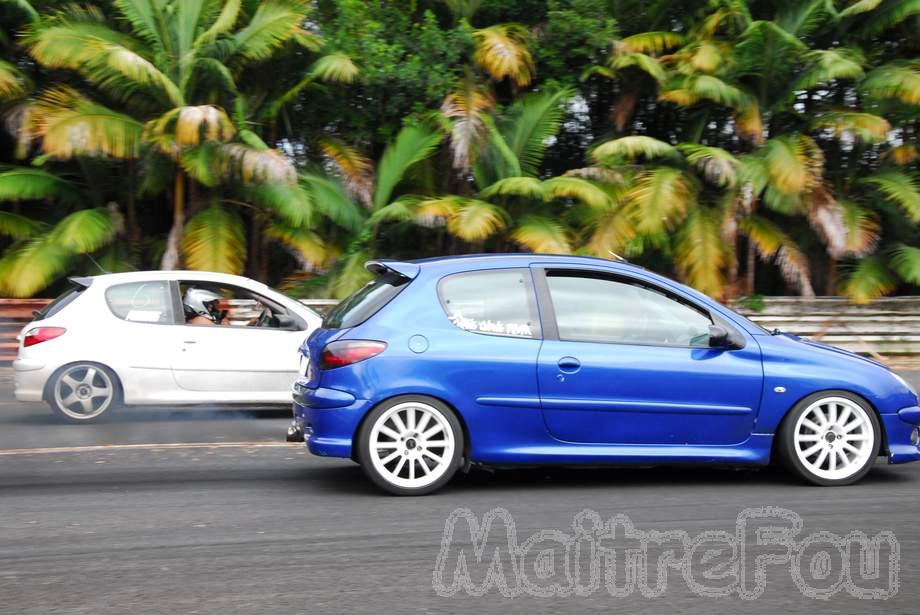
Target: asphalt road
234, 521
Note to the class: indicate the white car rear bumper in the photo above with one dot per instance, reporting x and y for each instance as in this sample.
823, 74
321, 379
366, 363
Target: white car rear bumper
30, 379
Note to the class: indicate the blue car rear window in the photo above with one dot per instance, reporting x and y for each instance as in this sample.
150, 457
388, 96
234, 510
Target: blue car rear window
365, 302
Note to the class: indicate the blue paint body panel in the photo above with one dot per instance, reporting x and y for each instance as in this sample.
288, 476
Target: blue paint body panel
523, 401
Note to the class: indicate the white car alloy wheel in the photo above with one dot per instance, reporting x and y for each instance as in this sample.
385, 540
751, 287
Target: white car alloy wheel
411, 446
83, 392
834, 438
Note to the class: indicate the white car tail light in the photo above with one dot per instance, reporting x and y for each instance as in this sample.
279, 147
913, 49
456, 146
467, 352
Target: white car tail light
41, 334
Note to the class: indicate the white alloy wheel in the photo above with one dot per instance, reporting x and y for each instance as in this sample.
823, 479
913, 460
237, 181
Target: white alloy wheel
834, 438
412, 445
82, 392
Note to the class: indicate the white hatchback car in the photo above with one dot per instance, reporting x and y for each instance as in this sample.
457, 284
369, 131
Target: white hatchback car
123, 338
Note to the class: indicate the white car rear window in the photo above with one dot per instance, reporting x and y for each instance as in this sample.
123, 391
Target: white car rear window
148, 302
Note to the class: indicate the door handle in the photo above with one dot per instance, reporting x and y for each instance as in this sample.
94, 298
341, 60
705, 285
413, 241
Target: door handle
569, 365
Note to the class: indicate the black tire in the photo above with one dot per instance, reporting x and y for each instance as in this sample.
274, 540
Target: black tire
90, 378
382, 480
790, 458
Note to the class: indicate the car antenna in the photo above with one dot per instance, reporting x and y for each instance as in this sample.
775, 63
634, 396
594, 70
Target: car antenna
617, 257
100, 267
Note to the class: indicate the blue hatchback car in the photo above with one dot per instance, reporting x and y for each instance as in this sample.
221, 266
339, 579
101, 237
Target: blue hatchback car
524, 359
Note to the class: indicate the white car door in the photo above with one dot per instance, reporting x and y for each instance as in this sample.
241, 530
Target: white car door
237, 363
141, 339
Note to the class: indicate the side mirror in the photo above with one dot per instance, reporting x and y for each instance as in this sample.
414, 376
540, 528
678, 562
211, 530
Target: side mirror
718, 336
286, 321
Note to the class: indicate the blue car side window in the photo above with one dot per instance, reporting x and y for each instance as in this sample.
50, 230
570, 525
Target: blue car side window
494, 302
596, 309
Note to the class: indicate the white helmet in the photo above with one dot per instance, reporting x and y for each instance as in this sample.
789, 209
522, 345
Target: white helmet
202, 302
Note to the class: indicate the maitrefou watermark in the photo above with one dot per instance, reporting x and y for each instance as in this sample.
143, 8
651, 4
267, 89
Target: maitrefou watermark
614, 556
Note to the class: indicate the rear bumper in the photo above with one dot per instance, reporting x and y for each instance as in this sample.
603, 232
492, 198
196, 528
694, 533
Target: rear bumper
900, 430
30, 377
330, 419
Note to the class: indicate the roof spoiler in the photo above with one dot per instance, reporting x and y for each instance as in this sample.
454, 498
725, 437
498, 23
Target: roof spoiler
81, 281
402, 268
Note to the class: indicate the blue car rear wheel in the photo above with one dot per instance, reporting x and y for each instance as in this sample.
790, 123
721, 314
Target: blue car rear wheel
410, 445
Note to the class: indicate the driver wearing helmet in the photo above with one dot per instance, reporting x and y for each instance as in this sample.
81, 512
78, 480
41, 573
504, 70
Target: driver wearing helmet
202, 307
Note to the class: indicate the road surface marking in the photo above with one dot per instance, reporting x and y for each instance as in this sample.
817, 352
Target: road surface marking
128, 447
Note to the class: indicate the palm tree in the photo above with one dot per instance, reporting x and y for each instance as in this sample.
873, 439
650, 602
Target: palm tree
170, 75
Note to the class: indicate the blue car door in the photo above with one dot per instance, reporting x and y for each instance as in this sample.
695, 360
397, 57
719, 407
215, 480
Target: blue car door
624, 361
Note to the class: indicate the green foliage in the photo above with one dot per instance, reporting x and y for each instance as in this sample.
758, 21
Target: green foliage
327, 133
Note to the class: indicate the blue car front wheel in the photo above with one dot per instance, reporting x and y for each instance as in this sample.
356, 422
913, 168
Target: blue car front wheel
410, 445
830, 438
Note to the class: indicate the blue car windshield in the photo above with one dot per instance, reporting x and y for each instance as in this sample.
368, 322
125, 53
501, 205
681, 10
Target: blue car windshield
365, 302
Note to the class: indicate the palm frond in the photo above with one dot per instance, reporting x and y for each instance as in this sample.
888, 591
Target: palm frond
250, 164
865, 127
223, 23
542, 235
83, 231
30, 266
576, 188
335, 68
862, 228
147, 19
525, 187
700, 253
611, 231
309, 248
868, 280
660, 199
403, 209
25, 183
795, 162
12, 82
717, 165
357, 169
632, 147
887, 16
533, 119
905, 260
291, 202
412, 145
825, 65
16, 226
213, 240
641, 61
466, 105
71, 125
825, 216
475, 220
332, 201
191, 125
899, 80
860, 7
650, 42
771, 242
274, 23
501, 50
900, 188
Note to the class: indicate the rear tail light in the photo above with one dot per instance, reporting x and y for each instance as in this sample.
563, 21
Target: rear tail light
348, 352
41, 334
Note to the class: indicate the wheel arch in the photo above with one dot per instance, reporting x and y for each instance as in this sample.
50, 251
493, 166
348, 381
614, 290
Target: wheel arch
883, 445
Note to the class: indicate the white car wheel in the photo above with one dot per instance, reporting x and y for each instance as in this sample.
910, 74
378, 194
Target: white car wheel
411, 446
83, 392
831, 439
